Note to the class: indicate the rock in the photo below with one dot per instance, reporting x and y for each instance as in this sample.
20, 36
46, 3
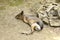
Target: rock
45, 20
54, 22
42, 15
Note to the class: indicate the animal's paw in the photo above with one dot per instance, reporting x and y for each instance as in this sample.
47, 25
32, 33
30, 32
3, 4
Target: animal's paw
26, 33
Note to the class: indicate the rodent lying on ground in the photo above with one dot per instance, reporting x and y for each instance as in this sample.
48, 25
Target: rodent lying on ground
35, 23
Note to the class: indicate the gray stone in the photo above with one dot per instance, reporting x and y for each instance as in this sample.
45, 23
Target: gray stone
46, 20
54, 22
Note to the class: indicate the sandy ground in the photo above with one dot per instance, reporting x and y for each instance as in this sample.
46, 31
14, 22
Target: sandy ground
10, 28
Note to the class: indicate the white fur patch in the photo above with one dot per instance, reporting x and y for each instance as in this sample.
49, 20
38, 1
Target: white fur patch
37, 26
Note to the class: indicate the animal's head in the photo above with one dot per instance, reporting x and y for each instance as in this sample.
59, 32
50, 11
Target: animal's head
20, 15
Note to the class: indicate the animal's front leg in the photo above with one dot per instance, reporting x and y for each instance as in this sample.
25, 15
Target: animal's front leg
25, 20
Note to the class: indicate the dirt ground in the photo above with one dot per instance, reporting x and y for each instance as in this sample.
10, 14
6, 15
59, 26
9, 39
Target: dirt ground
10, 28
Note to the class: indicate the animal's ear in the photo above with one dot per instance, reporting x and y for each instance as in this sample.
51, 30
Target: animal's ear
22, 13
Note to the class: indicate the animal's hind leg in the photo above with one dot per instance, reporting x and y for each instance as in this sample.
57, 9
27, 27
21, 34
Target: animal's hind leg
32, 29
31, 32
